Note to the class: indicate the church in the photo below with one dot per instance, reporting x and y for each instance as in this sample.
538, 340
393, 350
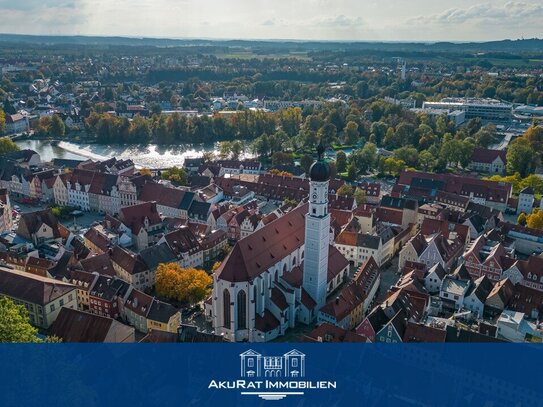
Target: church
281, 274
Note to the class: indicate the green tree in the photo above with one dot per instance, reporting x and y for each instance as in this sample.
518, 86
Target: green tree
365, 158
350, 133
521, 158
305, 162
409, 155
393, 166
341, 161
139, 131
280, 158
352, 172
8, 107
379, 130
427, 161
261, 146
345, 190
457, 152
155, 109
290, 202
225, 148
534, 136
15, 323
359, 196
522, 219
533, 181
485, 136
327, 133
290, 120
57, 127
2, 122
236, 149
7, 145
176, 175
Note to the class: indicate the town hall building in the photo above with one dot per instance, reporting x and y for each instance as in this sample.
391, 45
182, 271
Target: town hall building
281, 274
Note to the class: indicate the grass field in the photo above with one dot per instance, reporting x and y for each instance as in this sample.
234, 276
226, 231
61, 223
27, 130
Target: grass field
250, 55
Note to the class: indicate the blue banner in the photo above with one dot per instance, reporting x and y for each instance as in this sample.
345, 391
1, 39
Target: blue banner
271, 374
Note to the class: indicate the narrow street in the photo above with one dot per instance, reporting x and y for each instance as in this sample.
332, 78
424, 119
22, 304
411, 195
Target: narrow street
389, 277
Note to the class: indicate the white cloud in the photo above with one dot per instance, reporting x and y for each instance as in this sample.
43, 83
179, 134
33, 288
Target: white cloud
508, 13
303, 19
340, 21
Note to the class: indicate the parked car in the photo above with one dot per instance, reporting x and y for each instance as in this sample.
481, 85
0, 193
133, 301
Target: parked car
77, 213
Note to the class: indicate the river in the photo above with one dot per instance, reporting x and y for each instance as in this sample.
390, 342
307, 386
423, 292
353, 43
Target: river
151, 156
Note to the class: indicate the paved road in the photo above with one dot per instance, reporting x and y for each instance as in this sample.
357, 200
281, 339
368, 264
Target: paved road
389, 277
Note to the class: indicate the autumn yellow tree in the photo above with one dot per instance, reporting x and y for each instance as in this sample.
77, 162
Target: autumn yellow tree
146, 171
535, 220
522, 218
275, 171
216, 265
182, 284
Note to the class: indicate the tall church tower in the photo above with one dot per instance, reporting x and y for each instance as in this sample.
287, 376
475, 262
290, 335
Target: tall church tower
317, 231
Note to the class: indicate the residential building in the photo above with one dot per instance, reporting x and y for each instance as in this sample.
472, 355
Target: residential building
163, 317
78, 326
526, 201
39, 226
488, 161
42, 297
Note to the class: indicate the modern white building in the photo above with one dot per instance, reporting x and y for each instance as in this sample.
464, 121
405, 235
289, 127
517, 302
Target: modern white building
488, 110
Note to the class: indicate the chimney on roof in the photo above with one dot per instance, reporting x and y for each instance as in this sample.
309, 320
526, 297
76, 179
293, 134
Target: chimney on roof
337, 300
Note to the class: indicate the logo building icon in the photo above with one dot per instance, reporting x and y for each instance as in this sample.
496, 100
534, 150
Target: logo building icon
291, 364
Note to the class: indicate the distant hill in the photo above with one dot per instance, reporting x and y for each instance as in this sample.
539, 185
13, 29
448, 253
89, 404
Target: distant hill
523, 45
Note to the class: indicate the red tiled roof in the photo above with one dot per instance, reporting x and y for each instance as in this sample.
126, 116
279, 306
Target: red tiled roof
463, 185
416, 332
348, 299
432, 226
326, 332
487, 156
97, 239
279, 299
260, 250
139, 302
182, 240
134, 216
267, 322
129, 262
341, 217
162, 195
307, 301
336, 262
526, 300
294, 277
100, 264
367, 275
389, 215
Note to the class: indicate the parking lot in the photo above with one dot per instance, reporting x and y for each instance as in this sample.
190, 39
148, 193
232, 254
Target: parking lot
83, 222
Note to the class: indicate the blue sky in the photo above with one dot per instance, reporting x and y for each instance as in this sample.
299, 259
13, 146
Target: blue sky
370, 20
